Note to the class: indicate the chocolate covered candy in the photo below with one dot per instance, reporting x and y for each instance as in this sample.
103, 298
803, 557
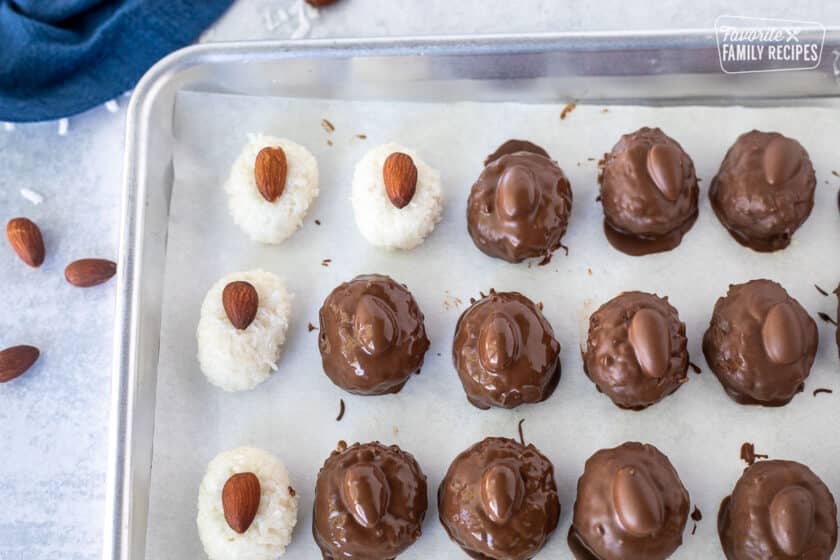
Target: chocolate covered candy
505, 352
519, 207
370, 501
636, 350
779, 510
764, 190
631, 505
761, 343
498, 500
372, 336
649, 192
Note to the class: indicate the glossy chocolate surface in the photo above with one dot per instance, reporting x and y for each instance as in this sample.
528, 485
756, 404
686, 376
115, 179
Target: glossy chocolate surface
779, 510
649, 192
513, 146
764, 190
505, 352
761, 343
370, 501
372, 336
636, 350
519, 206
631, 505
498, 500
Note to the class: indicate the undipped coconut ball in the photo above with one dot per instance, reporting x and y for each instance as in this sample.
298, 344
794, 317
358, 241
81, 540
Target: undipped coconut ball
247, 507
397, 197
271, 186
242, 328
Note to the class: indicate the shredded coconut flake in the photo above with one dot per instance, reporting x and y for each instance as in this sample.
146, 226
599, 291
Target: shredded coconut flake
63, 127
112, 106
268, 19
35, 198
304, 27
8, 126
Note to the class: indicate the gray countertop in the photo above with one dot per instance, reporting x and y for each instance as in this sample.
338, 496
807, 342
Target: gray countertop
54, 419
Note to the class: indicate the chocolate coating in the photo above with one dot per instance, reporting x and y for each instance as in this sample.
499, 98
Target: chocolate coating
761, 343
519, 207
649, 193
764, 190
631, 505
779, 510
837, 331
370, 501
513, 146
636, 350
498, 500
372, 336
505, 352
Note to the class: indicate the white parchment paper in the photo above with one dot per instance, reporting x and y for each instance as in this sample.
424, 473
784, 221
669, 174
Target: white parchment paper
293, 414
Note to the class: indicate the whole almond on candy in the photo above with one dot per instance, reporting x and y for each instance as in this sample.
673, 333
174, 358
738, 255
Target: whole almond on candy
270, 170
400, 176
241, 500
241, 301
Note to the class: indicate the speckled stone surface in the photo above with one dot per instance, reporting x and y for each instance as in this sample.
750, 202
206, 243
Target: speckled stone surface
54, 419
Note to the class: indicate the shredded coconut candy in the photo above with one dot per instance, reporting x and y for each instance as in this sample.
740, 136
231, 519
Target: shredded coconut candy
261, 220
382, 223
271, 530
239, 360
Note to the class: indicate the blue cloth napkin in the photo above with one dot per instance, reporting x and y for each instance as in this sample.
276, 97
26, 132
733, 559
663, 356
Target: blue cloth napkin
61, 57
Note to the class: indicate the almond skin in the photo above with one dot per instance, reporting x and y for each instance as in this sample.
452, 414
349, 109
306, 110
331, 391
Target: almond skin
400, 176
241, 500
241, 302
15, 361
270, 170
25, 238
85, 273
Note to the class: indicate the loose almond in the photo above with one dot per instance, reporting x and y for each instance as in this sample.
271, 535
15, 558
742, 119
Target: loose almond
270, 170
241, 500
25, 238
400, 175
15, 361
241, 302
85, 273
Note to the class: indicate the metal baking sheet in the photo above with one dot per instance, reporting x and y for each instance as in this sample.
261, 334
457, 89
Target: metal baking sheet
655, 69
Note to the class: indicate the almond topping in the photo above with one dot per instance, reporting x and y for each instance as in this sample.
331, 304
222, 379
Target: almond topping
241, 500
400, 175
241, 302
270, 170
